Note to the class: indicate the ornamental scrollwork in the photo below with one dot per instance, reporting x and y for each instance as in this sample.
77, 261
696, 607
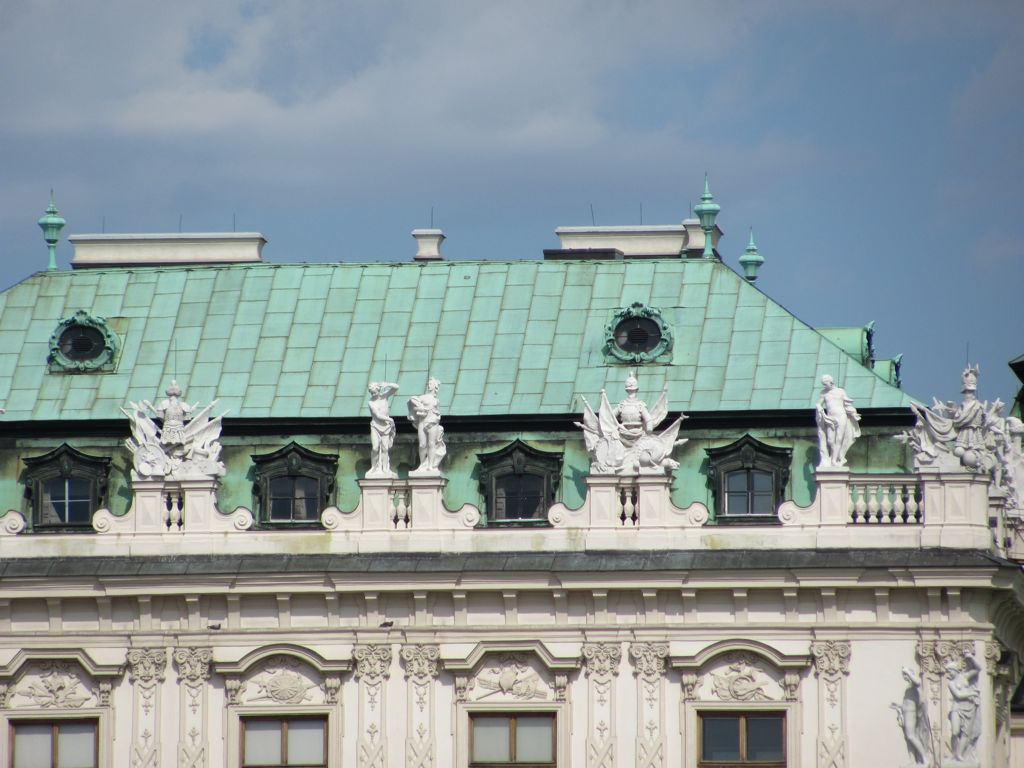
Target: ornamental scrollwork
649, 660
661, 351
193, 664
831, 658
373, 662
82, 343
421, 662
601, 660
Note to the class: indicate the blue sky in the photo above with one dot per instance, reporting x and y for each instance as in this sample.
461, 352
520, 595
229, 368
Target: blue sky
876, 148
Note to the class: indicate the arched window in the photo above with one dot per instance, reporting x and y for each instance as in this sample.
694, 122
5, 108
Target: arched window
519, 484
65, 487
748, 479
293, 486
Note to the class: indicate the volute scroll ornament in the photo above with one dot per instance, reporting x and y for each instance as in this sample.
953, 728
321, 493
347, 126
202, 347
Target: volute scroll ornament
649, 660
601, 660
373, 662
421, 662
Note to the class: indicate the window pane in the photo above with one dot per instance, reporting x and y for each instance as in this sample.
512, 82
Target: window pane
762, 481
281, 509
32, 746
491, 739
306, 742
534, 739
764, 738
262, 742
76, 745
721, 738
78, 512
79, 490
736, 503
305, 498
763, 504
519, 497
736, 481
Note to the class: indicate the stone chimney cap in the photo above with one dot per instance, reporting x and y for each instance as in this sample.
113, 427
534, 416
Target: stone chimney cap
428, 243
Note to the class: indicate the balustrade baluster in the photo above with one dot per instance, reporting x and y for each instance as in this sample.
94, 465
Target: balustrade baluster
859, 505
913, 507
899, 507
887, 493
873, 506
402, 510
629, 506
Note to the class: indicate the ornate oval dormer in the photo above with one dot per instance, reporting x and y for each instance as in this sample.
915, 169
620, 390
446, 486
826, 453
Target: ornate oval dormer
83, 343
637, 334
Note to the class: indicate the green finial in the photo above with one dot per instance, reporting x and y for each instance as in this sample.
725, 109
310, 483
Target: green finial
51, 223
707, 209
751, 260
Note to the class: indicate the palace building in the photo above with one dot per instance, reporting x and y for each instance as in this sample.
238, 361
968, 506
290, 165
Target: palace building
602, 507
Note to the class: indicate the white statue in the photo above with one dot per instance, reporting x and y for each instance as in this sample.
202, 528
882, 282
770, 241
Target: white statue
912, 716
964, 710
622, 439
382, 430
425, 413
838, 424
973, 436
185, 445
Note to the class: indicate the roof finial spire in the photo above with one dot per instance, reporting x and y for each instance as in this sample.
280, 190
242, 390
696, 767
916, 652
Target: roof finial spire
751, 260
707, 209
51, 223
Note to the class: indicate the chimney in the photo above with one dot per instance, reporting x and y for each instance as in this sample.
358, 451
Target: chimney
153, 250
428, 243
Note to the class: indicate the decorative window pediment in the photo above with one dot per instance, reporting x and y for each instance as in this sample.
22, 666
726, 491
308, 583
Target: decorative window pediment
65, 487
83, 343
293, 485
748, 479
519, 484
638, 334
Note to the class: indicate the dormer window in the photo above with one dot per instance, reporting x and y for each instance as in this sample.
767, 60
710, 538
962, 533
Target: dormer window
519, 484
83, 343
65, 487
748, 479
637, 334
293, 486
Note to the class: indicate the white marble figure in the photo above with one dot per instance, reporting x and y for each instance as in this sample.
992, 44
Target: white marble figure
912, 716
425, 413
964, 711
382, 430
185, 445
838, 424
621, 440
974, 436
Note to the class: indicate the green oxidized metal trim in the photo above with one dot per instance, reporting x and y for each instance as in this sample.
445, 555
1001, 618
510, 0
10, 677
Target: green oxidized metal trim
660, 353
104, 361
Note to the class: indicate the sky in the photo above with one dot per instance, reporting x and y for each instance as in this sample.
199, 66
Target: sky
875, 148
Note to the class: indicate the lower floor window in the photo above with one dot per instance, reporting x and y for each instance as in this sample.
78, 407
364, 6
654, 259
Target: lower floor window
294, 742
55, 744
518, 739
733, 739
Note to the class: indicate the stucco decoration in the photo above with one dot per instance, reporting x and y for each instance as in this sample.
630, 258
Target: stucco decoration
12, 523
832, 666
425, 414
649, 661
185, 446
510, 677
964, 712
146, 667
622, 439
661, 351
372, 670
282, 680
83, 343
972, 436
382, 429
50, 685
193, 675
838, 424
913, 720
421, 670
601, 665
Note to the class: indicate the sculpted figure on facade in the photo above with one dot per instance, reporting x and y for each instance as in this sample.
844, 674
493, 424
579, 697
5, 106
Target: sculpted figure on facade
912, 716
382, 430
425, 414
964, 710
622, 439
838, 424
186, 445
972, 436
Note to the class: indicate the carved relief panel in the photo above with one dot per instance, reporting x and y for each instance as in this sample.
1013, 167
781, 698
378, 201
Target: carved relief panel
146, 669
832, 667
55, 685
421, 670
649, 667
372, 670
279, 680
193, 665
601, 666
511, 677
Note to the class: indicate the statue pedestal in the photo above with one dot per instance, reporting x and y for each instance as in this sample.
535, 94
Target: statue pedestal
149, 507
604, 498
652, 500
425, 502
378, 506
833, 497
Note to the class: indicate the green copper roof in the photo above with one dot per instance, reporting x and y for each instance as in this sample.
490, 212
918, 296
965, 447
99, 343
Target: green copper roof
304, 340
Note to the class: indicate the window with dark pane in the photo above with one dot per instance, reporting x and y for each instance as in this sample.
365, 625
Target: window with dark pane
294, 742
64, 488
81, 342
293, 486
512, 739
748, 479
737, 739
519, 484
54, 744
637, 334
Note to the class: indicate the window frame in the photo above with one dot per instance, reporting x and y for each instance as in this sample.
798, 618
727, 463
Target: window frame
17, 719
513, 715
293, 460
747, 454
64, 463
517, 459
743, 715
322, 717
